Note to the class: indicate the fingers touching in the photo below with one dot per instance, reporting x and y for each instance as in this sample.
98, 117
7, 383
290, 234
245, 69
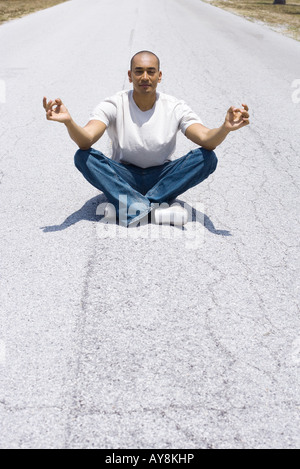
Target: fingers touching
48, 106
240, 114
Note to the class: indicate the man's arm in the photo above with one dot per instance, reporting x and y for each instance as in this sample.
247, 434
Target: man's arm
210, 138
85, 136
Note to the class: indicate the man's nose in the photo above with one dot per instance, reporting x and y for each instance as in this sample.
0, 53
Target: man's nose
145, 75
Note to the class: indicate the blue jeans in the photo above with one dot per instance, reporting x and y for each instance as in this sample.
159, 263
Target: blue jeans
133, 190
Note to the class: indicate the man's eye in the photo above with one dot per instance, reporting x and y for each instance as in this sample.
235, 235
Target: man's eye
140, 72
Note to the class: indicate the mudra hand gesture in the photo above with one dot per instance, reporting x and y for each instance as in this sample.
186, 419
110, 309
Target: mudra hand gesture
236, 118
56, 110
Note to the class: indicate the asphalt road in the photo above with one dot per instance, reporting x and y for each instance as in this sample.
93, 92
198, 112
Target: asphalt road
154, 337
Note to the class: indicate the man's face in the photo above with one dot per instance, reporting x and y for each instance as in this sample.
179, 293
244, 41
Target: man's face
144, 74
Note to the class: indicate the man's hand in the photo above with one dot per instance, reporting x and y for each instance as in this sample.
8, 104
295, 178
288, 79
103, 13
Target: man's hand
86, 136
236, 118
56, 111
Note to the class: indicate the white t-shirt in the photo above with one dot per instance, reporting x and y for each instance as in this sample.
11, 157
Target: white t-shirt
144, 138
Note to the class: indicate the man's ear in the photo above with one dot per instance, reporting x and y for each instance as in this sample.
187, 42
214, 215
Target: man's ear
129, 76
160, 76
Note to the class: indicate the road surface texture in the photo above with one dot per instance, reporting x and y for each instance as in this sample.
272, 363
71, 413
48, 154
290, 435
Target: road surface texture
149, 337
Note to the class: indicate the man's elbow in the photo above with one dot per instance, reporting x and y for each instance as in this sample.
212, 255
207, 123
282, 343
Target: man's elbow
84, 147
85, 144
208, 147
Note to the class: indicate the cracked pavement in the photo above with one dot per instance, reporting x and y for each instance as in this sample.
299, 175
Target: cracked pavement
154, 337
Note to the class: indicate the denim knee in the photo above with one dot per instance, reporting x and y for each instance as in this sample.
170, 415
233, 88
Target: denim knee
211, 158
214, 161
80, 158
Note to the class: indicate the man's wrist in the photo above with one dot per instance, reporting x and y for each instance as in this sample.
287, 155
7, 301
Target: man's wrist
68, 123
225, 129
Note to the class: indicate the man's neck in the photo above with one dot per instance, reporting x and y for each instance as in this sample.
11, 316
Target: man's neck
144, 102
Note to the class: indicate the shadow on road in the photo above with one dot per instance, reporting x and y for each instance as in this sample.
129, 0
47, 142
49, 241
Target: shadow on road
88, 212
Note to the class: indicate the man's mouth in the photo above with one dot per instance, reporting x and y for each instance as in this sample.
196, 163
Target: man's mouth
145, 85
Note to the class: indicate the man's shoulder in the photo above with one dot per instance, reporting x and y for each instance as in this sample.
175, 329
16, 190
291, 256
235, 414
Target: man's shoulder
171, 101
116, 98
169, 98
165, 98
122, 93
177, 108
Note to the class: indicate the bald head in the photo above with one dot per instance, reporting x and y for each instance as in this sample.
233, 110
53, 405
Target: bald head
144, 53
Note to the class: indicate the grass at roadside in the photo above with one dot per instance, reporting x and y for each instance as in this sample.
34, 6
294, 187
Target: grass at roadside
11, 9
282, 18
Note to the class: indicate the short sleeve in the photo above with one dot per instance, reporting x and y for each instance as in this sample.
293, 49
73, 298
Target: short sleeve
105, 112
186, 116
